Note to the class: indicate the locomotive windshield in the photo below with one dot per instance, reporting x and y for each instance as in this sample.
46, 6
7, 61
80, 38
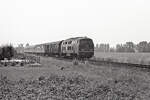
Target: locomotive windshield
86, 45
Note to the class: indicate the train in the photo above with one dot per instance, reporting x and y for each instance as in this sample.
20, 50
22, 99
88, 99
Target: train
77, 47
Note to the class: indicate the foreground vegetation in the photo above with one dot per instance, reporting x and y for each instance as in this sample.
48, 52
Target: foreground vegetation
60, 80
7, 51
74, 87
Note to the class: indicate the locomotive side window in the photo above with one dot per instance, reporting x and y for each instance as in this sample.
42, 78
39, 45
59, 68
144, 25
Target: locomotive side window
64, 43
69, 42
69, 47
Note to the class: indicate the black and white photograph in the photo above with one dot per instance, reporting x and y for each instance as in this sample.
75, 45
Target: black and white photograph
74, 49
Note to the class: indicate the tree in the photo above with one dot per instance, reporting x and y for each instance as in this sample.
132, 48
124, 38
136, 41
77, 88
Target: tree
104, 47
120, 48
129, 47
27, 45
97, 46
143, 46
148, 47
20, 45
112, 49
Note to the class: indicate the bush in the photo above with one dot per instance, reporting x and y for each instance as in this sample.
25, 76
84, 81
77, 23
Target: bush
75, 62
13, 64
21, 64
5, 64
7, 51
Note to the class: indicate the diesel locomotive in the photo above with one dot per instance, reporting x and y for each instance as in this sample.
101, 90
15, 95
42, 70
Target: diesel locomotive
78, 47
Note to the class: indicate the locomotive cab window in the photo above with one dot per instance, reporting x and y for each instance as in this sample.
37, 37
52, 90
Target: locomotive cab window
86, 44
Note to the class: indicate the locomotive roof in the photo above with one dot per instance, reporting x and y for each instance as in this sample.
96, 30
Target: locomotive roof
77, 38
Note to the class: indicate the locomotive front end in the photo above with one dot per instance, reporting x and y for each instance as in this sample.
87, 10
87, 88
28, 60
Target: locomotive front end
86, 48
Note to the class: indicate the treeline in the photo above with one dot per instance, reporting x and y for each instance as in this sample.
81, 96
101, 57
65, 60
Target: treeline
142, 46
7, 51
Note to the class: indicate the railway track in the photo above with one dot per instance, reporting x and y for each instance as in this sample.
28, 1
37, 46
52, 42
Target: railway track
118, 64
108, 63
105, 63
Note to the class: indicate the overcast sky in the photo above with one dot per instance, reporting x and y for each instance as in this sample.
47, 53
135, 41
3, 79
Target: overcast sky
105, 21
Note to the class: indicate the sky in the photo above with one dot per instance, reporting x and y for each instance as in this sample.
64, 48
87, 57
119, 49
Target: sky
105, 21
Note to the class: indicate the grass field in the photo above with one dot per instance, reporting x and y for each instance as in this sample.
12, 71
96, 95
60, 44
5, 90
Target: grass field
74, 82
137, 58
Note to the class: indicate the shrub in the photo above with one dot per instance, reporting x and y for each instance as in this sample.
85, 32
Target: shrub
21, 64
75, 62
7, 51
13, 64
5, 64
41, 78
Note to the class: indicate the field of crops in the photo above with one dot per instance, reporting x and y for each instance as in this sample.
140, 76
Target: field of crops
136, 58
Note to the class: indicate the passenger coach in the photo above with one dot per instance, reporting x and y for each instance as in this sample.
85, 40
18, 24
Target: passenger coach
53, 48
